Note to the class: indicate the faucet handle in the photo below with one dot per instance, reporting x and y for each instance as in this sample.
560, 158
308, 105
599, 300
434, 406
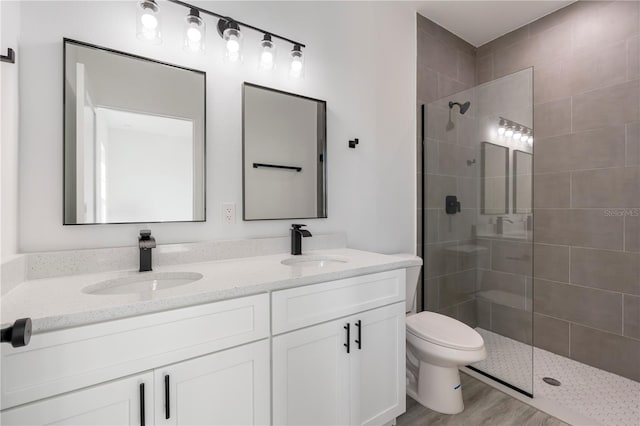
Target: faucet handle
145, 234
297, 225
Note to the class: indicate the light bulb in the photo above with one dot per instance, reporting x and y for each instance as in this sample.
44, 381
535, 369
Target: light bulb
509, 132
517, 135
233, 46
530, 140
297, 61
232, 36
267, 56
148, 21
194, 36
524, 138
501, 130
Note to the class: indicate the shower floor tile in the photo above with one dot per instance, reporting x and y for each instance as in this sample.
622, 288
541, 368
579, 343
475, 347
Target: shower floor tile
605, 397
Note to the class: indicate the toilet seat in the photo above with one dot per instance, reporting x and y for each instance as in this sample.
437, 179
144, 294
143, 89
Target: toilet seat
444, 331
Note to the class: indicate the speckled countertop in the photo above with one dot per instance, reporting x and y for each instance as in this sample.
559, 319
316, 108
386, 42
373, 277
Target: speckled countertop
55, 303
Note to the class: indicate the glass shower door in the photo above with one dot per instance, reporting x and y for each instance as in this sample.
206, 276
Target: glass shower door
477, 219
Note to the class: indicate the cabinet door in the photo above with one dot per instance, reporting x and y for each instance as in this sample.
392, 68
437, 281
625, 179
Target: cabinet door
311, 376
378, 366
114, 403
225, 388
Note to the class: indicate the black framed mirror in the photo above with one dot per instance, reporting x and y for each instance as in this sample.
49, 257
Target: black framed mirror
134, 138
284, 155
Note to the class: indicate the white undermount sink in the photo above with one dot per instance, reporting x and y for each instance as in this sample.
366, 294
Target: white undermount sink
143, 283
313, 261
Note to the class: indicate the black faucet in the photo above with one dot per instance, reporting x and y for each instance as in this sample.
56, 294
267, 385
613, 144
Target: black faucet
146, 242
296, 238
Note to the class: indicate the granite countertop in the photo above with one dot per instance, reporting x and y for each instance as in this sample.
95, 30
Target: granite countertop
56, 303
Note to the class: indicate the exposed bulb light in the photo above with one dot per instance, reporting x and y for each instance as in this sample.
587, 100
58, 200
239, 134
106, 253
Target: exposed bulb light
267, 53
509, 132
297, 61
148, 22
518, 134
501, 128
230, 32
530, 140
194, 35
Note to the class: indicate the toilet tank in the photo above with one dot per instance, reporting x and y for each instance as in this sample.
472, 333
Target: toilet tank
413, 275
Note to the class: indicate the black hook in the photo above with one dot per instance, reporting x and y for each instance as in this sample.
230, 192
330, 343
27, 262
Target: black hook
18, 334
353, 143
10, 57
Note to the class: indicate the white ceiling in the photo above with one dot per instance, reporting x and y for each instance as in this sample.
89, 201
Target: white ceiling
479, 22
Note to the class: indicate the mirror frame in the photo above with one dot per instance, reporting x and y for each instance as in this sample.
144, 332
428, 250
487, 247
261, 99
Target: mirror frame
515, 182
66, 41
322, 151
482, 177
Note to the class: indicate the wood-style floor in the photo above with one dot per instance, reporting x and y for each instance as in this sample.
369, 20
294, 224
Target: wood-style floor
483, 405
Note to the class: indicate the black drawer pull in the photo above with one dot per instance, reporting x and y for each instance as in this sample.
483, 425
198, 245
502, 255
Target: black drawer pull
359, 341
348, 344
141, 404
167, 412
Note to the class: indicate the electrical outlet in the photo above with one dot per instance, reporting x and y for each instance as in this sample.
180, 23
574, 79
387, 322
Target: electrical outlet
229, 213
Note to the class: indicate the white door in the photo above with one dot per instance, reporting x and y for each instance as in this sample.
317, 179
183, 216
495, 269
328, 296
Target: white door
113, 403
225, 388
311, 376
378, 365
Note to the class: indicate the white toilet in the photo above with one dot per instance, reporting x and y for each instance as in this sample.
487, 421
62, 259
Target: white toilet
436, 346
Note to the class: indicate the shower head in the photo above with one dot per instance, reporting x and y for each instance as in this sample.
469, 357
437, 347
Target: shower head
463, 107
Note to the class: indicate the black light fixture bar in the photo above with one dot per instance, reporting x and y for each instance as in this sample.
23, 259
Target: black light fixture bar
277, 166
242, 24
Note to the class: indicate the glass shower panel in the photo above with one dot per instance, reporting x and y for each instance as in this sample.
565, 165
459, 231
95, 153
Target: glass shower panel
478, 255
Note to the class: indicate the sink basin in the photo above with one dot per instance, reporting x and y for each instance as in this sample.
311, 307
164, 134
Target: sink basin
314, 261
144, 283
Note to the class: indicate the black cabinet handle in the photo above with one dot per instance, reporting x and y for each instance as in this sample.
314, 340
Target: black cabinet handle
18, 334
167, 412
359, 341
348, 344
141, 404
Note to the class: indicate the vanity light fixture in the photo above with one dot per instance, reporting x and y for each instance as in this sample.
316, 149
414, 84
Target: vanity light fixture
518, 133
297, 61
194, 32
148, 21
267, 53
509, 132
511, 129
230, 31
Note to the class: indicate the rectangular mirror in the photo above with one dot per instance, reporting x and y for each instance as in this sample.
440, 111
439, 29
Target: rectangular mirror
284, 155
134, 145
495, 179
522, 181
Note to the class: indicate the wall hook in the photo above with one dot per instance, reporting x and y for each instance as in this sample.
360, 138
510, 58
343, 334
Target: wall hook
10, 57
353, 143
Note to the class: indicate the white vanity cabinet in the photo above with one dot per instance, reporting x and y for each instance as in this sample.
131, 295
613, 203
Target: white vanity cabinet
226, 388
346, 371
118, 402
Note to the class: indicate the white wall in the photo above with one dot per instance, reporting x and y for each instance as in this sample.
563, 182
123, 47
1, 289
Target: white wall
360, 59
10, 27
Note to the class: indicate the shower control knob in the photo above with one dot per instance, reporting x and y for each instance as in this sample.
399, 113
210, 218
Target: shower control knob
19, 334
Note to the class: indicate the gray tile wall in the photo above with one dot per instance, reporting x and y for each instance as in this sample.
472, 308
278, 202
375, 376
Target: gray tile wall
446, 65
587, 180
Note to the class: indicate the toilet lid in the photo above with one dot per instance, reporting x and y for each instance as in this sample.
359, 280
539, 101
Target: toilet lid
445, 331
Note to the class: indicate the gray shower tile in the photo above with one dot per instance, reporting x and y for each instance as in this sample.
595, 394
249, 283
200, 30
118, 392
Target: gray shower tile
551, 81
448, 86
633, 144
608, 106
606, 188
598, 68
440, 57
607, 351
594, 228
468, 313
551, 334
467, 68
608, 270
632, 231
456, 288
484, 68
502, 288
632, 316
601, 26
427, 82
552, 118
551, 262
513, 323
441, 261
483, 309
438, 187
551, 190
456, 227
511, 257
552, 226
431, 227
633, 58
591, 307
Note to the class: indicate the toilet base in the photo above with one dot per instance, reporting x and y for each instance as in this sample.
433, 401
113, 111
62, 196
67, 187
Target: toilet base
439, 389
